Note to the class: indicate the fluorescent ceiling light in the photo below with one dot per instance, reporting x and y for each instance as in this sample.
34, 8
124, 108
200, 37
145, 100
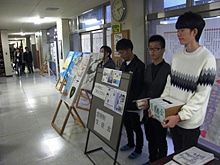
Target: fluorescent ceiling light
38, 20
22, 34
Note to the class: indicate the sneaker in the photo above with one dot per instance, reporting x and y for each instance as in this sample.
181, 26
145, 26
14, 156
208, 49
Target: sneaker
134, 155
126, 148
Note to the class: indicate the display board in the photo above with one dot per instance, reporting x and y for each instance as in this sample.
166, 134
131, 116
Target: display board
108, 103
210, 38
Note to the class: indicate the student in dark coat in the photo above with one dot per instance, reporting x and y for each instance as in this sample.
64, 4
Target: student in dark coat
134, 65
28, 58
155, 78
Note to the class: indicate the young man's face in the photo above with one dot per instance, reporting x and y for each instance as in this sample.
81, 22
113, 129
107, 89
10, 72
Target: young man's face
186, 36
125, 54
156, 51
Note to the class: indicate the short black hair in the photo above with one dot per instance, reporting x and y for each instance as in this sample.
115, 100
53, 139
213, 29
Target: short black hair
107, 49
124, 44
191, 20
157, 38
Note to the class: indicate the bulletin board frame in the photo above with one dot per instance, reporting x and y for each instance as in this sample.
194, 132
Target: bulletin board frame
115, 37
98, 104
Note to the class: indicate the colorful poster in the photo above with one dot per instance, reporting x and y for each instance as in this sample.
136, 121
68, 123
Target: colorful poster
74, 81
103, 123
69, 63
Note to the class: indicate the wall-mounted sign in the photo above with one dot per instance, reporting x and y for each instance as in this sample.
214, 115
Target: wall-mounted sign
116, 28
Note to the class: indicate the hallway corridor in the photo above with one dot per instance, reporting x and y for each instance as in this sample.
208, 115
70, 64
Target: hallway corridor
27, 106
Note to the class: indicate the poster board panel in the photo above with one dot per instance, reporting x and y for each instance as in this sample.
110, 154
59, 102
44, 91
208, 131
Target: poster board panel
100, 114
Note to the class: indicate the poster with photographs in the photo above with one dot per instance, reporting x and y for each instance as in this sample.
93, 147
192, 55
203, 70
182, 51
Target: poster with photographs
115, 100
111, 76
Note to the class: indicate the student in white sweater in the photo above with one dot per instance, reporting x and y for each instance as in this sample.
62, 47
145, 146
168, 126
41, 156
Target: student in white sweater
192, 75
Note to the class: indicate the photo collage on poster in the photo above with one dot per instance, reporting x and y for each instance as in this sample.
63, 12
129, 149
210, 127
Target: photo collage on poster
114, 99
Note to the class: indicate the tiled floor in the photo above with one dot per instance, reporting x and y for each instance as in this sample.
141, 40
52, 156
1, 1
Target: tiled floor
27, 106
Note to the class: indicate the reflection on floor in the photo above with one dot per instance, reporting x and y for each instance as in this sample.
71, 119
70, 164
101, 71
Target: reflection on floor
27, 106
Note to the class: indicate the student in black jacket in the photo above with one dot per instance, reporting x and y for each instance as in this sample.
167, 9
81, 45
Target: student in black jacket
28, 58
155, 77
132, 115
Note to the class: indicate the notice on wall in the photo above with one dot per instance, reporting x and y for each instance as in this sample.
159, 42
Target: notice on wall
209, 129
210, 38
103, 123
117, 37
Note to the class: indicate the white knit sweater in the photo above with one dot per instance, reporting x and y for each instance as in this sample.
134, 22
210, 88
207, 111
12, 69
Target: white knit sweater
191, 80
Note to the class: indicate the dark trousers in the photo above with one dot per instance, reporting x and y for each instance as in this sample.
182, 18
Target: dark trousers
184, 138
23, 67
156, 137
132, 124
30, 67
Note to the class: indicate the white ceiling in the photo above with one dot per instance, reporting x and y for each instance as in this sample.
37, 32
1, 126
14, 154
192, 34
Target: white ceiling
18, 15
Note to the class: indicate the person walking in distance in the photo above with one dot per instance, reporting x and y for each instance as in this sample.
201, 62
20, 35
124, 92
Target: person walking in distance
28, 58
18, 62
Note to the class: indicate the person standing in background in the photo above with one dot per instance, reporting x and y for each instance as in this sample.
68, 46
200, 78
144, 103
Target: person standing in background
107, 61
155, 78
132, 64
192, 75
28, 58
23, 62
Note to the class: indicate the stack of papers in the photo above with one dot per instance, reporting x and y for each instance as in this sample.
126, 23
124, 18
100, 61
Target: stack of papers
193, 156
